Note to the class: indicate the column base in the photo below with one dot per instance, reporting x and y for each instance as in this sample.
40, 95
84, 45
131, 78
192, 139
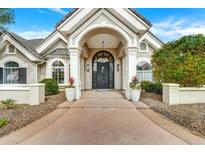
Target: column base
77, 89
127, 91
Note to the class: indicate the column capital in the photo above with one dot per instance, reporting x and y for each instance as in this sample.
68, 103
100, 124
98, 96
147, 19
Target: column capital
75, 49
131, 49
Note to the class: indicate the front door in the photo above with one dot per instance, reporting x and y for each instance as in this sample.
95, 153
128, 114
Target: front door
102, 75
103, 71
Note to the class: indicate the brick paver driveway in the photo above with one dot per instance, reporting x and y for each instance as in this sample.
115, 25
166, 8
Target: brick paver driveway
103, 118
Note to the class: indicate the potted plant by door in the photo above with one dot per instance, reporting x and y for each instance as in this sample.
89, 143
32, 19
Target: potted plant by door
70, 90
135, 89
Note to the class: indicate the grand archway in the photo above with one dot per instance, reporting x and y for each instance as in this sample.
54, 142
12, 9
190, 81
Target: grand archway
103, 70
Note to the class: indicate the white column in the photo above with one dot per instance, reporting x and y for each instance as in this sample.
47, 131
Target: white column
170, 93
36, 93
130, 64
75, 70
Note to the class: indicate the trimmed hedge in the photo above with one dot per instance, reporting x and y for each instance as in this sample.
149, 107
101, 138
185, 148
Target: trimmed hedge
181, 61
51, 86
154, 87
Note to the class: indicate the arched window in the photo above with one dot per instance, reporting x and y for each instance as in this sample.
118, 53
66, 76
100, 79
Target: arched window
13, 74
11, 49
144, 71
143, 46
58, 71
11, 64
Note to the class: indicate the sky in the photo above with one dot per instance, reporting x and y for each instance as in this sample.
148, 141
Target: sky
168, 24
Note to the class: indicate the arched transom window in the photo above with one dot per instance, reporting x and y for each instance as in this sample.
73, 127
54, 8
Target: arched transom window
11, 73
58, 71
144, 71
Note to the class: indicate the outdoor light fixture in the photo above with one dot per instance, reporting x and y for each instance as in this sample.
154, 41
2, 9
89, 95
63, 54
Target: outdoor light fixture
118, 67
88, 68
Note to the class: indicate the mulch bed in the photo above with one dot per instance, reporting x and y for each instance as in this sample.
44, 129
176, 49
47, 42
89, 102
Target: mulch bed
189, 116
22, 115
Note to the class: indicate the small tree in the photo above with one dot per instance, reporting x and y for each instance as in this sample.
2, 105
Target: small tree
6, 17
181, 61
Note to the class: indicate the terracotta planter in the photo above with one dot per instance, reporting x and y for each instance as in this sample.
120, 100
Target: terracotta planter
70, 94
135, 94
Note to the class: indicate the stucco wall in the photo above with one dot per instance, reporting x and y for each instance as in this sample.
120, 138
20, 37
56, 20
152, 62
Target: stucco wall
117, 75
173, 94
23, 62
32, 94
41, 71
82, 73
146, 54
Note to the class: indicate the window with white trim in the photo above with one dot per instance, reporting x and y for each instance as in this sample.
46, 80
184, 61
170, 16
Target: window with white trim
11, 73
144, 71
58, 71
10, 49
143, 46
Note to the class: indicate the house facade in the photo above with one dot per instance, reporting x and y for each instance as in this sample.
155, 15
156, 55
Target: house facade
99, 48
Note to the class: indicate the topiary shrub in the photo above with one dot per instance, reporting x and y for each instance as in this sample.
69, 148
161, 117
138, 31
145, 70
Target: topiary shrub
51, 86
181, 61
154, 87
144, 84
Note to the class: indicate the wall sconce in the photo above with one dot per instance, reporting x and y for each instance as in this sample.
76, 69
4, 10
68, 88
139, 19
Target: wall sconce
118, 67
88, 68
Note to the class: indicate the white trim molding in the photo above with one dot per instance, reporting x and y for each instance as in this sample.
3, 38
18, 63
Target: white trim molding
15, 59
141, 59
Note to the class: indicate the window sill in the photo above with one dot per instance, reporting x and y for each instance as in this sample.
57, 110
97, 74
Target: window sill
143, 51
7, 53
13, 85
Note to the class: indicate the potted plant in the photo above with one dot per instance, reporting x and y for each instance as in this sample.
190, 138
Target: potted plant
135, 89
70, 90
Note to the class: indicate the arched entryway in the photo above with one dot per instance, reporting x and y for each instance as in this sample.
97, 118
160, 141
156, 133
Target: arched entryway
103, 70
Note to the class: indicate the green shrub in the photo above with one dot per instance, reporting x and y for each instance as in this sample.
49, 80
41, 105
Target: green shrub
9, 103
3, 122
181, 61
154, 88
144, 84
51, 86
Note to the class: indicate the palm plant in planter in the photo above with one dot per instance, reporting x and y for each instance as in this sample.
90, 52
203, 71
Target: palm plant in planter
135, 89
70, 90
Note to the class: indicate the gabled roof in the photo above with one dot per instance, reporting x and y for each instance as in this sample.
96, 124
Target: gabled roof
140, 16
156, 37
66, 16
35, 42
59, 52
27, 44
131, 9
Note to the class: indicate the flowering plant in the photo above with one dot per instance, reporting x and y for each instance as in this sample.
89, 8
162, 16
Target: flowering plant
71, 82
135, 84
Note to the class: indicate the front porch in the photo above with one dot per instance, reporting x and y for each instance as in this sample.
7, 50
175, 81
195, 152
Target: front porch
104, 59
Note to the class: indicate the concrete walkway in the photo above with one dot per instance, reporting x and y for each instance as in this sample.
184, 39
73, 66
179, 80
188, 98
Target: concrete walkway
97, 118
